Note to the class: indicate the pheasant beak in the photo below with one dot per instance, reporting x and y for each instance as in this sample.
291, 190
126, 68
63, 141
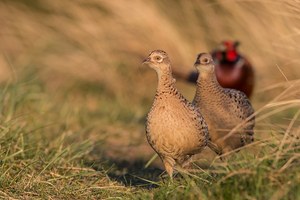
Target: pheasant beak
197, 61
146, 61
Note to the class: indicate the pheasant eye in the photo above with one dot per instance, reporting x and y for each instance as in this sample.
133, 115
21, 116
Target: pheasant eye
157, 58
205, 60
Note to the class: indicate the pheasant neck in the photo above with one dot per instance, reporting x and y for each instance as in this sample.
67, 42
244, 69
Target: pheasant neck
206, 85
165, 81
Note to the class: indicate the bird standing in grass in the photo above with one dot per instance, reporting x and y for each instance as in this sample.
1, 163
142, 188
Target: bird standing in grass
175, 129
223, 109
233, 70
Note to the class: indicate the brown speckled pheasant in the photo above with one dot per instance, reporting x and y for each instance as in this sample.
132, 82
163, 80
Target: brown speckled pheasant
175, 128
223, 109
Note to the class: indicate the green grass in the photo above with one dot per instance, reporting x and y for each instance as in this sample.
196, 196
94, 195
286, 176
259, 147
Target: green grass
73, 98
53, 146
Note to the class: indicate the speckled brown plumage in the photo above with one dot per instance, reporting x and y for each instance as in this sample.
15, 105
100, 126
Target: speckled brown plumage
175, 128
223, 109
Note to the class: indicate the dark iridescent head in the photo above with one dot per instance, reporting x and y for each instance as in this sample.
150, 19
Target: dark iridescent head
227, 52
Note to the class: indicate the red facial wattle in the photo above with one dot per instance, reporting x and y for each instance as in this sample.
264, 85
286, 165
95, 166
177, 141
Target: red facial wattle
231, 55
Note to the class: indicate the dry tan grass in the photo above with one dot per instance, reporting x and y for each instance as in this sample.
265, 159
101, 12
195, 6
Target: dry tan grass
103, 42
91, 38
100, 45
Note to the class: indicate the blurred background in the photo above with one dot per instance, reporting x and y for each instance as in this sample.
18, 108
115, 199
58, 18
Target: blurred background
104, 41
83, 58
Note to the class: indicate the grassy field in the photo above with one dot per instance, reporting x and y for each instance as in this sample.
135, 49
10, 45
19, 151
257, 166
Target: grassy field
73, 97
